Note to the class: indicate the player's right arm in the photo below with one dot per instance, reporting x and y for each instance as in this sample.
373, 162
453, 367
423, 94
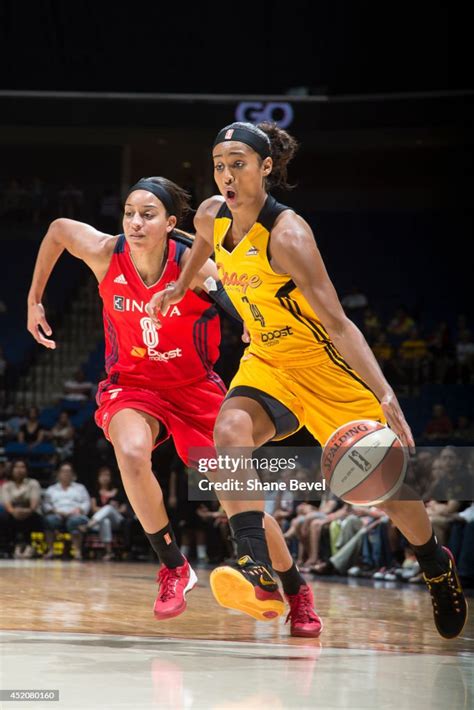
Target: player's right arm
203, 246
82, 241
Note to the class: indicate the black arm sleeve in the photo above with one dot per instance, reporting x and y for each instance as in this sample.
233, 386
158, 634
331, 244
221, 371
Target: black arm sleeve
220, 297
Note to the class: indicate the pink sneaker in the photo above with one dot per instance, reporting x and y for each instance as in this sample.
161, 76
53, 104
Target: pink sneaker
173, 585
304, 620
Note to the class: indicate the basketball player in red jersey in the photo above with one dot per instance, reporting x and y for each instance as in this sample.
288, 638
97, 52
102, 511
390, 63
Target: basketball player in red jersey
159, 383
322, 374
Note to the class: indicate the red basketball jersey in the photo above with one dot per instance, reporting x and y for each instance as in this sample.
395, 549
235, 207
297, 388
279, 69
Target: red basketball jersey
183, 350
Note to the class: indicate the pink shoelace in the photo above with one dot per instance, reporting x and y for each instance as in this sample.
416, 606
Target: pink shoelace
168, 579
301, 609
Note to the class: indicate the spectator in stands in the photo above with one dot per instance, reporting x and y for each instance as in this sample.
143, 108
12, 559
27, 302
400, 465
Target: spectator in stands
355, 300
414, 347
304, 511
66, 505
3, 373
464, 430
442, 514
70, 201
3, 471
77, 388
382, 350
194, 527
420, 473
465, 357
442, 354
282, 505
390, 365
314, 530
212, 518
371, 325
348, 546
31, 432
454, 479
15, 422
4, 517
414, 356
452, 483
21, 498
308, 520
38, 200
462, 323
62, 436
14, 201
108, 509
401, 323
439, 426
110, 211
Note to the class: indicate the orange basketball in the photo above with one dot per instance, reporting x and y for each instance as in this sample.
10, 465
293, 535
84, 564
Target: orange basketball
364, 462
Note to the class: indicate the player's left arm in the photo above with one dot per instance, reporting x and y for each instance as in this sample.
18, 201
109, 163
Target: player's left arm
294, 252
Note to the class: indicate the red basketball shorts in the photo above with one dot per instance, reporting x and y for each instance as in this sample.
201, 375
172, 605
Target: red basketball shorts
186, 413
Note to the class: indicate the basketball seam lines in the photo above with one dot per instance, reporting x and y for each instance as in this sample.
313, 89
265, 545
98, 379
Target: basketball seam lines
358, 442
389, 448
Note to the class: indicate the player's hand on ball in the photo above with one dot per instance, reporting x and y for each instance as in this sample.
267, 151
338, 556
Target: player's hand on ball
396, 420
162, 300
38, 325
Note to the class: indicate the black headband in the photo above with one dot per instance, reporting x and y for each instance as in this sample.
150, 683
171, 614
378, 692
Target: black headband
245, 135
159, 191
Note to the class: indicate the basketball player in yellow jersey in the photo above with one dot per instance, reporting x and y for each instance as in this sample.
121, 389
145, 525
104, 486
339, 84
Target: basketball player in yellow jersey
307, 363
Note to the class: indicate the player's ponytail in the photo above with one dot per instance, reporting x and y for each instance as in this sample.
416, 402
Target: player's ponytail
283, 148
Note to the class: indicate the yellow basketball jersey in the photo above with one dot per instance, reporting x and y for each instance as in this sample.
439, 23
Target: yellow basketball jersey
283, 327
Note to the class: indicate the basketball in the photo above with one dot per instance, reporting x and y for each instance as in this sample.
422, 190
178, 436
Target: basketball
364, 462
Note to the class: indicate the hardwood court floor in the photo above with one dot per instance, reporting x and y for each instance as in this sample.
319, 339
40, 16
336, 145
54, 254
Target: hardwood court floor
88, 630
117, 598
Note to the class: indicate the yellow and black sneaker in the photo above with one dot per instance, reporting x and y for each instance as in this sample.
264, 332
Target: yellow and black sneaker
447, 597
249, 587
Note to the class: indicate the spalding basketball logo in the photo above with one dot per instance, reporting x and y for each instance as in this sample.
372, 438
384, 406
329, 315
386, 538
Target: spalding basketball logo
229, 134
335, 443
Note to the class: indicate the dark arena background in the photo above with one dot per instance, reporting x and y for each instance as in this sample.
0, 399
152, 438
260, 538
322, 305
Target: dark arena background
94, 96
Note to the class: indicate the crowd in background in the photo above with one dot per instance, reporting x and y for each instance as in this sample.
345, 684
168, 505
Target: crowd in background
326, 537
33, 202
412, 352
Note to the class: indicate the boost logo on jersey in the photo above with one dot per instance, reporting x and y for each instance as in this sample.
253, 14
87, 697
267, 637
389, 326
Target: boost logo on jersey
273, 337
157, 356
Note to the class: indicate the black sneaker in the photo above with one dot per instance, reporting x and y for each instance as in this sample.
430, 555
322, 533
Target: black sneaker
447, 597
248, 586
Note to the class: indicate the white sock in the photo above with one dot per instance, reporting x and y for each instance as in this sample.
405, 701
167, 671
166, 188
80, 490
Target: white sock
201, 552
184, 550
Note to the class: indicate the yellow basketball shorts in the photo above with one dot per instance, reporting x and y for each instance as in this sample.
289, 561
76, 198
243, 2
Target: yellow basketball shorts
322, 396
